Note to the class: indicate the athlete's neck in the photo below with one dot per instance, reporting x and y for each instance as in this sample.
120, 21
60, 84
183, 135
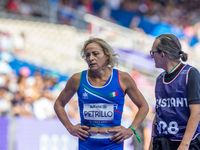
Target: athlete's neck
105, 73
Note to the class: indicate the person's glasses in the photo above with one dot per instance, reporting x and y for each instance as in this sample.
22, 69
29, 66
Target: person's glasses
152, 52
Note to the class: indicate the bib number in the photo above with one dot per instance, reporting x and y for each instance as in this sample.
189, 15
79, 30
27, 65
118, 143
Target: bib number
97, 113
172, 128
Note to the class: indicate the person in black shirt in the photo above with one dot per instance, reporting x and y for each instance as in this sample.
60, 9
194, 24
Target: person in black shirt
176, 124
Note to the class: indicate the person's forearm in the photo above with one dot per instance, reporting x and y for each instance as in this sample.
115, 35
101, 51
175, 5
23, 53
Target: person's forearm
62, 116
190, 129
152, 132
146, 134
141, 114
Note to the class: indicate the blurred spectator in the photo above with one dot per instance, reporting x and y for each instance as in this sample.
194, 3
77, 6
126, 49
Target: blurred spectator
20, 42
48, 83
25, 8
5, 67
5, 103
13, 6
17, 103
24, 71
22, 84
130, 6
105, 13
43, 107
113, 4
36, 10
22, 105
7, 84
28, 105
85, 6
135, 23
65, 12
35, 85
6, 42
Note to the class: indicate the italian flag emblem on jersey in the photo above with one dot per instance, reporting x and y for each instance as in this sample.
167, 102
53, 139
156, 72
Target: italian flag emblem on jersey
113, 94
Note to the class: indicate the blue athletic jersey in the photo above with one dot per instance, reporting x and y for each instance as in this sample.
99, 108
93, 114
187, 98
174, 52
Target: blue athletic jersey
172, 110
101, 106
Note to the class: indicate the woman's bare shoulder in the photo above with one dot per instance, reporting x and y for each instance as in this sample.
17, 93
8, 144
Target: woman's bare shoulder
75, 77
124, 75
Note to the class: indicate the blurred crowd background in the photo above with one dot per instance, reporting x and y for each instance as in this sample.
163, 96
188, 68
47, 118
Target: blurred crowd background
40, 44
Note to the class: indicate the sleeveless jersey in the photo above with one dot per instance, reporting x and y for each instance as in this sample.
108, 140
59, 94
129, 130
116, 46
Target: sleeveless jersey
100, 106
172, 110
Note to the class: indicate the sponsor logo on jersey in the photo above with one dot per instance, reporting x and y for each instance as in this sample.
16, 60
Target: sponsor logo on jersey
85, 96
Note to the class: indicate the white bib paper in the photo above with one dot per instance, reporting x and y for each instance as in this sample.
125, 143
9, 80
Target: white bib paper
98, 112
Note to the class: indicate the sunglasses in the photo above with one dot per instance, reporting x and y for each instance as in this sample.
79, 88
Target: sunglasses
152, 52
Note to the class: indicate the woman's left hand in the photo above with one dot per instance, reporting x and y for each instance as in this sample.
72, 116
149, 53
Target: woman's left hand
122, 134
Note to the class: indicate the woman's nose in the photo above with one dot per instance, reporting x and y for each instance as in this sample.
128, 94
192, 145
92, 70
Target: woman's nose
91, 57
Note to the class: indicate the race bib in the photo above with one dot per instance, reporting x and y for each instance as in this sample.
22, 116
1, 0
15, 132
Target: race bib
98, 113
164, 128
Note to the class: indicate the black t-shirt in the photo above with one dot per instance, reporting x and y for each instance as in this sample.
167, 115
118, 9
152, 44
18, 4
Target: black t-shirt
193, 85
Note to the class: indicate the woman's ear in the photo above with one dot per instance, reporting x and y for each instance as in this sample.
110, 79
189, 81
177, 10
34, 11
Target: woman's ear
163, 54
107, 57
